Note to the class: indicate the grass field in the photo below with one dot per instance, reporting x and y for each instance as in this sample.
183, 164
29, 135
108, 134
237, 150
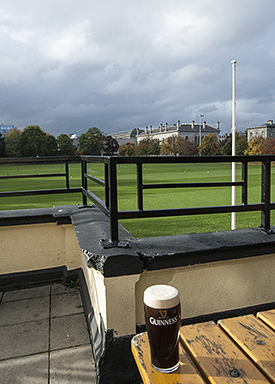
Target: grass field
153, 199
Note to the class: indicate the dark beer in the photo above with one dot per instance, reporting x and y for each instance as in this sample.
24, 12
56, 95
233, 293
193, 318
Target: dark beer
163, 318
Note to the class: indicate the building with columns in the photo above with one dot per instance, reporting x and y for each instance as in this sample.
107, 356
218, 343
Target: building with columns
265, 130
193, 132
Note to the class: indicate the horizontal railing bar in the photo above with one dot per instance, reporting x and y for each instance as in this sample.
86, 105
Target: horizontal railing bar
32, 176
193, 159
191, 211
95, 179
98, 202
40, 192
193, 185
96, 159
44, 159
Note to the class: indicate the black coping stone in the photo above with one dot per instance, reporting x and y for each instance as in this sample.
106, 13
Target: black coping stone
93, 231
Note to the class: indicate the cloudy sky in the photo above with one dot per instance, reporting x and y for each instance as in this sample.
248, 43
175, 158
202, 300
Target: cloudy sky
68, 65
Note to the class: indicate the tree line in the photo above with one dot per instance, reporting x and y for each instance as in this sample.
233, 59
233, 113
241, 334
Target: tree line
32, 141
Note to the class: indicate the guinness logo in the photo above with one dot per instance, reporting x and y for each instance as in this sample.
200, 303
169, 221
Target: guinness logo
163, 313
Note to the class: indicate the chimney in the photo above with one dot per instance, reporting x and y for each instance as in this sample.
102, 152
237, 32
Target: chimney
192, 124
150, 128
270, 122
146, 130
137, 131
178, 124
204, 124
218, 125
166, 125
160, 127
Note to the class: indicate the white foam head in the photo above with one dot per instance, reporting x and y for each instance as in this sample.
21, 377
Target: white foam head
161, 296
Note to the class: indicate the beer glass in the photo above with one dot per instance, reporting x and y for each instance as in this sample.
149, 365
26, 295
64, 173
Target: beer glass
163, 319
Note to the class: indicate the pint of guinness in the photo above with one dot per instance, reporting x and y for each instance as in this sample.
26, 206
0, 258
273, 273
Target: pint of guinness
163, 319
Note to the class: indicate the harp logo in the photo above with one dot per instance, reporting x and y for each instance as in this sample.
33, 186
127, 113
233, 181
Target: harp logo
163, 313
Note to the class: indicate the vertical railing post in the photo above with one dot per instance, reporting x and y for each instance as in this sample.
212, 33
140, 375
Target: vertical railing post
139, 187
113, 199
67, 175
244, 186
106, 179
265, 213
84, 181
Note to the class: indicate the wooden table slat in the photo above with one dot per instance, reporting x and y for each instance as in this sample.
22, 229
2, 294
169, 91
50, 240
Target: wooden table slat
217, 356
186, 374
255, 339
268, 317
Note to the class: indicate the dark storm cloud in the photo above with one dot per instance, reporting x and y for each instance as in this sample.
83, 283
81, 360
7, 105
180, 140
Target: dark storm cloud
69, 65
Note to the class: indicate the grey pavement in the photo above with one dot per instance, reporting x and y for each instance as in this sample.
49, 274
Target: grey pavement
44, 337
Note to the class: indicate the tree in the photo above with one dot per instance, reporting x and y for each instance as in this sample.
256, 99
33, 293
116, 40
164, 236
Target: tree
227, 148
187, 148
268, 147
254, 146
240, 144
110, 145
147, 147
65, 145
33, 141
13, 143
209, 146
177, 145
126, 149
78, 152
2, 146
51, 148
92, 142
154, 148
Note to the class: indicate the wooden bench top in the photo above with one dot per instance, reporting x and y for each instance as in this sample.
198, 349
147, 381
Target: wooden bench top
235, 350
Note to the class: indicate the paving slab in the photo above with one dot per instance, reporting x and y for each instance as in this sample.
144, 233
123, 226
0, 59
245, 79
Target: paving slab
68, 331
24, 339
72, 365
27, 293
66, 304
60, 288
13, 312
25, 370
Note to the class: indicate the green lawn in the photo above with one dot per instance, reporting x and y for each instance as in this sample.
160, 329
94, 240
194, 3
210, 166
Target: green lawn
153, 199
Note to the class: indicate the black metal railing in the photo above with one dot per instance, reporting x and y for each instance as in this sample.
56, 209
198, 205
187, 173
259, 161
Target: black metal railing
40, 161
110, 206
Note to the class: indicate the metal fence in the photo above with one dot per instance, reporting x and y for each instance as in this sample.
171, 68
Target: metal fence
110, 206
39, 161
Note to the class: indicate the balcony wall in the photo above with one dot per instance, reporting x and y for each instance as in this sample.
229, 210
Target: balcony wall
215, 273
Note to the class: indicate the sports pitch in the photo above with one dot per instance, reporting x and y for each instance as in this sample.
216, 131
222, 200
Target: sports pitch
153, 199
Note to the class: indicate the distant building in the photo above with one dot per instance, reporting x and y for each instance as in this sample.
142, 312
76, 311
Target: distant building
265, 130
75, 139
4, 128
190, 131
127, 136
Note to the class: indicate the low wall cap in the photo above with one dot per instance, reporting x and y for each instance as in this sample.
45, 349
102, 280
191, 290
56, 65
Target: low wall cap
161, 296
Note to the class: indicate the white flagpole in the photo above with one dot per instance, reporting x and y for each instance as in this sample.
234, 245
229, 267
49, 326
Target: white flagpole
233, 200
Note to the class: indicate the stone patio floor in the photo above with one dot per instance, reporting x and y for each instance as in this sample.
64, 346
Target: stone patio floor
44, 338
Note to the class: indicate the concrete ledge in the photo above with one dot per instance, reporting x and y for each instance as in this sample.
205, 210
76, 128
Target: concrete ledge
91, 226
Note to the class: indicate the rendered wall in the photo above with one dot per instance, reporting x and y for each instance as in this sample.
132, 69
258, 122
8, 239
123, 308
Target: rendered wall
38, 246
215, 287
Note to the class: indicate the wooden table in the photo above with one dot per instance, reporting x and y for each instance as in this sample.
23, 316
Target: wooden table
235, 350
